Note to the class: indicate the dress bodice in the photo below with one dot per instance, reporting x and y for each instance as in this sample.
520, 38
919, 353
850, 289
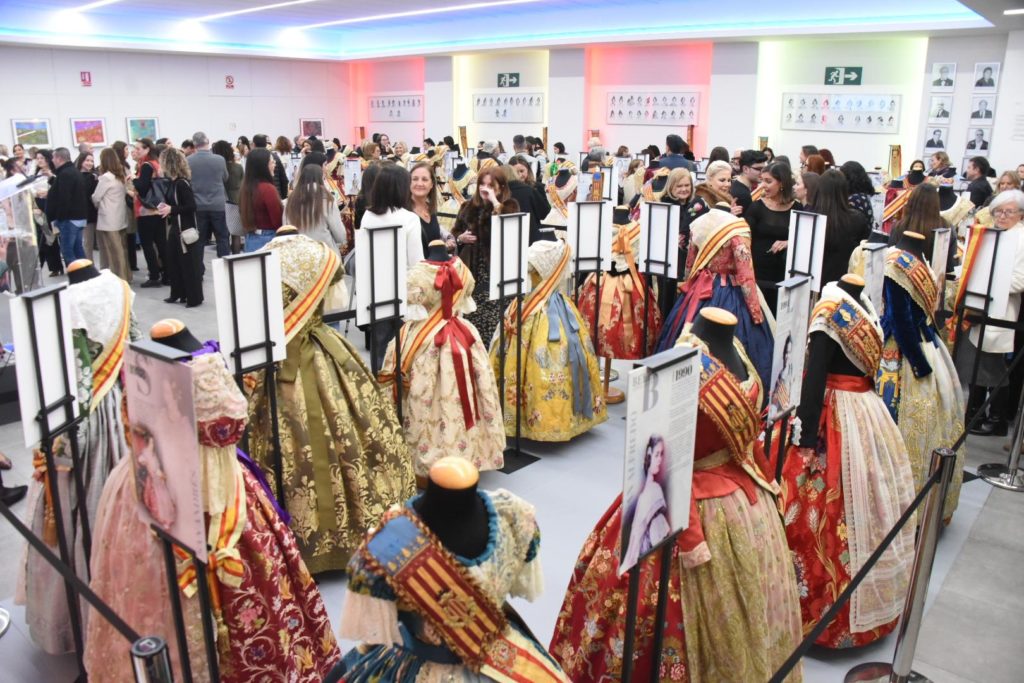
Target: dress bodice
221, 409
424, 294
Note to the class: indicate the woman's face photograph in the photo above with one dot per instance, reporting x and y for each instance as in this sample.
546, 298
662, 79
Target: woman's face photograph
657, 458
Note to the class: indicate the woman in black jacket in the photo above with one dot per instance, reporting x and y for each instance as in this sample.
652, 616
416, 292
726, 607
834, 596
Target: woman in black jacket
845, 228
528, 193
184, 264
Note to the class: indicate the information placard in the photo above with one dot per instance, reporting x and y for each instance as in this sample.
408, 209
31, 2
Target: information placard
940, 256
874, 272
806, 246
978, 283
510, 240
792, 318
380, 273
240, 284
659, 239
589, 233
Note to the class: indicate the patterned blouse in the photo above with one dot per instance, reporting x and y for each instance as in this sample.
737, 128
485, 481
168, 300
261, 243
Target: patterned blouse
734, 259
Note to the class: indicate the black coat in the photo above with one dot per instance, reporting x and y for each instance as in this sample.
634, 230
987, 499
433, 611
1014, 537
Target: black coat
530, 201
67, 198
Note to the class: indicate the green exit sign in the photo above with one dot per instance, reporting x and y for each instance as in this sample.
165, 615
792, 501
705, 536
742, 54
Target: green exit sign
510, 80
844, 75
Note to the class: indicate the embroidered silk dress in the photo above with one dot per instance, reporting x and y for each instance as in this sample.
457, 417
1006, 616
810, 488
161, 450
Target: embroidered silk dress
733, 613
270, 619
400, 640
559, 197
721, 274
344, 456
450, 401
841, 502
460, 189
916, 377
562, 396
101, 320
624, 296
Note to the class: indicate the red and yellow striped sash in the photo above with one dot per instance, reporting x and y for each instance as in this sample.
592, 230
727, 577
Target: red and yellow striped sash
539, 296
298, 312
970, 259
557, 201
623, 244
893, 208
737, 228
107, 366
757, 193
456, 192
430, 326
914, 275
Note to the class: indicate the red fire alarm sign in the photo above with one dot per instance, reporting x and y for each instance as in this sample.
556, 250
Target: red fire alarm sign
86, 78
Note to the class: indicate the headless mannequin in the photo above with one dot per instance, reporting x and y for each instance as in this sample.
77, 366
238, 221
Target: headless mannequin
460, 170
717, 328
878, 238
824, 357
452, 508
438, 252
620, 216
173, 333
81, 270
562, 179
658, 183
912, 242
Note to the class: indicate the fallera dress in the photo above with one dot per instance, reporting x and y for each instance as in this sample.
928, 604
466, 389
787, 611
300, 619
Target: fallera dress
344, 456
733, 613
401, 606
625, 295
721, 274
916, 378
562, 395
270, 619
450, 400
841, 502
102, 323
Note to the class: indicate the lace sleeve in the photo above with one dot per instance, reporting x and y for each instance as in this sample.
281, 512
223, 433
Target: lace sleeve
745, 277
370, 614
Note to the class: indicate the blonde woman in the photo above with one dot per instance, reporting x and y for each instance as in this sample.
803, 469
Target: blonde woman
112, 214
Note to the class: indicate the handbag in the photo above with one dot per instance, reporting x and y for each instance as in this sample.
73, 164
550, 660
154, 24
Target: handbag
159, 191
189, 236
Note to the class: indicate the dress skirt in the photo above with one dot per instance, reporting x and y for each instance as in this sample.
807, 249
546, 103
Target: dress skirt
620, 330
838, 506
733, 618
723, 292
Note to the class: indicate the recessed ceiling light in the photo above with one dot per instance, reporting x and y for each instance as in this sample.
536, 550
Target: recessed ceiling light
421, 12
1009, 12
249, 10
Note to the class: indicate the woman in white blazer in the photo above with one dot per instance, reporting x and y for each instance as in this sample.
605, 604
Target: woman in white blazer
112, 214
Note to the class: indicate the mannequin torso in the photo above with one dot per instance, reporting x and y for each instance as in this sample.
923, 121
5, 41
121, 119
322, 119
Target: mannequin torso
714, 328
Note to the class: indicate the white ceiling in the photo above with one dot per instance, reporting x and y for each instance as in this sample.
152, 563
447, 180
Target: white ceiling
171, 25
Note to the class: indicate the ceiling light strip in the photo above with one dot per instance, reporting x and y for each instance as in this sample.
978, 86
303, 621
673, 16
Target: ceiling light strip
94, 5
1012, 12
250, 10
421, 12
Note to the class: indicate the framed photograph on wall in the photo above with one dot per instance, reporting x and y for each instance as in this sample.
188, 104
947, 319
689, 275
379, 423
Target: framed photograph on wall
940, 109
32, 132
936, 138
982, 110
311, 127
841, 112
943, 76
653, 108
396, 106
979, 140
986, 76
93, 131
508, 107
142, 127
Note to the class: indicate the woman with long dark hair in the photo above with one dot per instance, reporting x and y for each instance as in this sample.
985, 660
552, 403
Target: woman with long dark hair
860, 187
768, 218
184, 264
86, 165
232, 188
922, 215
47, 238
845, 227
258, 201
151, 226
311, 209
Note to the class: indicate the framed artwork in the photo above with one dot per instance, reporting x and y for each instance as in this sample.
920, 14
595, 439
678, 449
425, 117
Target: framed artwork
396, 106
936, 139
979, 140
310, 127
940, 109
841, 112
142, 127
986, 76
32, 132
93, 131
943, 76
983, 110
508, 107
653, 108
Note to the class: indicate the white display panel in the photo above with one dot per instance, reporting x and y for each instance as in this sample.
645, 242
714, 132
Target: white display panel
508, 106
841, 112
653, 108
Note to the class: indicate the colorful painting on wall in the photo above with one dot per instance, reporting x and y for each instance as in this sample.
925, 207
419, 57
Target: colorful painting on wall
93, 131
34, 132
310, 127
142, 127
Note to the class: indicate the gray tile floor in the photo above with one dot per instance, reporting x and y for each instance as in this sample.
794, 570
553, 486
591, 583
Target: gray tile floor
972, 626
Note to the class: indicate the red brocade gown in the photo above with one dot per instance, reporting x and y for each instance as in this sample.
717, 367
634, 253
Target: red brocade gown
733, 612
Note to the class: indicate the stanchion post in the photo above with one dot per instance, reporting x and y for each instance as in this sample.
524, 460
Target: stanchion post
151, 661
1008, 476
901, 671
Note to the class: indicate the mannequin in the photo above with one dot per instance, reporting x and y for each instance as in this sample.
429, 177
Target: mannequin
847, 478
717, 327
438, 251
174, 333
563, 177
912, 242
658, 183
286, 230
877, 237
81, 270
452, 508
460, 170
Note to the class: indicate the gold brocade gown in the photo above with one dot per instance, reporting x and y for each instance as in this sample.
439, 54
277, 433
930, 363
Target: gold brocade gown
344, 456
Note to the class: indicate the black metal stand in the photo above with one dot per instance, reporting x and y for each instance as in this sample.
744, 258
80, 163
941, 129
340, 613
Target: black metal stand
647, 262
265, 364
595, 267
392, 306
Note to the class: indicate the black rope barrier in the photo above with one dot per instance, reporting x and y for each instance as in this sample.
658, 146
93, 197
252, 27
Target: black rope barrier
847, 593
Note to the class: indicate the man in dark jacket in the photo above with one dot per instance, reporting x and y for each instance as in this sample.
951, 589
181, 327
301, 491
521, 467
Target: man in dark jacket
67, 205
280, 176
674, 158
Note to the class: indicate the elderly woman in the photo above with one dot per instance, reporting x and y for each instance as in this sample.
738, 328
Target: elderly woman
1007, 210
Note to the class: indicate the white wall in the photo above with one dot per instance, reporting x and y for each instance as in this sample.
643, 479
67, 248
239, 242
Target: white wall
479, 72
733, 95
185, 92
439, 96
567, 83
891, 66
386, 77
1008, 132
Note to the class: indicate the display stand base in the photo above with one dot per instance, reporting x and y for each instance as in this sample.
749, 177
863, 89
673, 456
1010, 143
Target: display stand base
5, 621
12, 494
881, 672
516, 459
998, 474
614, 396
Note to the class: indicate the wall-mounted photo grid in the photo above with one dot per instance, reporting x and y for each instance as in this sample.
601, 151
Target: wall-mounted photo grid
396, 107
508, 107
659, 108
841, 112
977, 139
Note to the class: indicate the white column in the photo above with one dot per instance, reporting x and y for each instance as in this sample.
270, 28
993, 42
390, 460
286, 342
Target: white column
1008, 132
439, 99
733, 89
567, 87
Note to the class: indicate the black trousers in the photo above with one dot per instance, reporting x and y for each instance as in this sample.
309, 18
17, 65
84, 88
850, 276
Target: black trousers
184, 267
153, 235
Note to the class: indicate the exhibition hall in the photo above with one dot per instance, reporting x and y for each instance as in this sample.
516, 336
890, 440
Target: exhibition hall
511, 340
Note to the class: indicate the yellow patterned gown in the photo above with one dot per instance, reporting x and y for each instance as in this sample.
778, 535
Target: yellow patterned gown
345, 460
450, 401
562, 394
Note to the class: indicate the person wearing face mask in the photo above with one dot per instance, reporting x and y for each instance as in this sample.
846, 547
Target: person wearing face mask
768, 218
472, 233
